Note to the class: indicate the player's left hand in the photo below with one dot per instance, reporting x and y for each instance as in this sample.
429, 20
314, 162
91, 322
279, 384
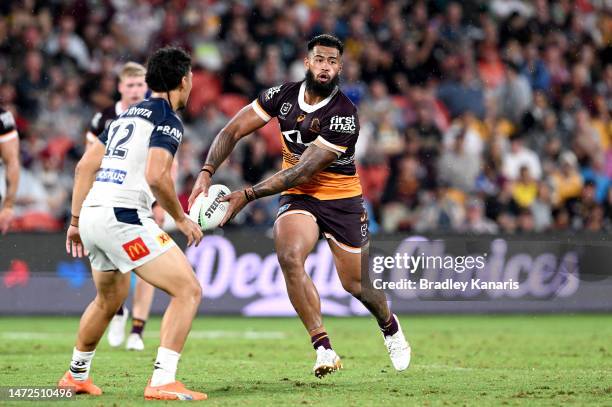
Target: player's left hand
74, 243
6, 217
237, 200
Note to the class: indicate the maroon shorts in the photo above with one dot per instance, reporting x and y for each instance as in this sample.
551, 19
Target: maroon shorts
345, 221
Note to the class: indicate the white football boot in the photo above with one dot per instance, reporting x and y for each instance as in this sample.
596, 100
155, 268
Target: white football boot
134, 342
327, 362
398, 348
116, 329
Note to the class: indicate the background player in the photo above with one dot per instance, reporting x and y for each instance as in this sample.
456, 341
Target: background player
132, 87
130, 168
9, 165
321, 193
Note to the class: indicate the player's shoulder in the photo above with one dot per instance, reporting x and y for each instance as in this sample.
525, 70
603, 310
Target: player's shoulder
6, 118
341, 107
104, 116
344, 104
282, 90
8, 126
155, 110
110, 111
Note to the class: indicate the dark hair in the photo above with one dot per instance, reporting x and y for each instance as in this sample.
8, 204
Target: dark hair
166, 68
326, 40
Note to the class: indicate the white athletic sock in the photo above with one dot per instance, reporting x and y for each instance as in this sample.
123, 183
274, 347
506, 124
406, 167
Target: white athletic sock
164, 371
81, 363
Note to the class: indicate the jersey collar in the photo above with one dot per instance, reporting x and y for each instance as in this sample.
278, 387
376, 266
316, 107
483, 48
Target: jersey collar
311, 108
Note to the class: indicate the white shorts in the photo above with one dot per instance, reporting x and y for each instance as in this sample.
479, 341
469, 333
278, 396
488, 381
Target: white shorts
121, 238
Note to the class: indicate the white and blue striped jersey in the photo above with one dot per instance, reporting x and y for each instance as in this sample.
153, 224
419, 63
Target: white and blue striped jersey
121, 182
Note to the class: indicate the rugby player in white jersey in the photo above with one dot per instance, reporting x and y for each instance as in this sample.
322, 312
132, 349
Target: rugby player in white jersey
132, 87
116, 183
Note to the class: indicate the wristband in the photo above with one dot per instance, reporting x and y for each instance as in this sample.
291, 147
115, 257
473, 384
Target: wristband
208, 168
249, 193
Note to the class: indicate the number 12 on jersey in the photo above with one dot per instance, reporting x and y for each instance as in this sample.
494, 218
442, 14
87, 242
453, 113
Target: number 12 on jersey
119, 135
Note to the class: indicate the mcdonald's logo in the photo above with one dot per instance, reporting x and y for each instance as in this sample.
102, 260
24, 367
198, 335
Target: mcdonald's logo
163, 239
136, 249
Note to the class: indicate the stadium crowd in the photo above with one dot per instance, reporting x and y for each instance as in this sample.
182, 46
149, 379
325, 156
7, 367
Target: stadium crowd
476, 116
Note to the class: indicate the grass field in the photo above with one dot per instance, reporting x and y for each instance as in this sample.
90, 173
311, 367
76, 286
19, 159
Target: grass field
456, 360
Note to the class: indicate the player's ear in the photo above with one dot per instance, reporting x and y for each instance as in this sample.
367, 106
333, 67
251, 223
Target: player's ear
306, 62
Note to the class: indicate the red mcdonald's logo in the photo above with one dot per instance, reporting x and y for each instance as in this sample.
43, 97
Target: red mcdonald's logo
136, 249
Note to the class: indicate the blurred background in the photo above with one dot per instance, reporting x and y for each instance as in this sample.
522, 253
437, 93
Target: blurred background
476, 116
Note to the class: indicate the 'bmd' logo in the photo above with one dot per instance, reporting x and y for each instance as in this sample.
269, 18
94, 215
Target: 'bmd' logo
136, 249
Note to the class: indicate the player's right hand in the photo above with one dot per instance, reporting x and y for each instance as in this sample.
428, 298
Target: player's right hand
190, 229
201, 186
74, 245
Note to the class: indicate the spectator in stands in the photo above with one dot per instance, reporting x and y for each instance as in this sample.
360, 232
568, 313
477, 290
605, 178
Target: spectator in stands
514, 95
520, 156
524, 189
475, 221
458, 167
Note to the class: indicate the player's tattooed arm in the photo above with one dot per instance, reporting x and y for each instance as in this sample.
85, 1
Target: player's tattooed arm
312, 161
244, 123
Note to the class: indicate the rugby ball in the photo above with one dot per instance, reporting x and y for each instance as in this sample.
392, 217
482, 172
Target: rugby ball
207, 211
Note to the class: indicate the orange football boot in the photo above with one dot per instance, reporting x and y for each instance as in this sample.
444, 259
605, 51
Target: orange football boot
80, 387
172, 391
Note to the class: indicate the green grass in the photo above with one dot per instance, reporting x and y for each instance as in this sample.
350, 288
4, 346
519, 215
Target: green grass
457, 360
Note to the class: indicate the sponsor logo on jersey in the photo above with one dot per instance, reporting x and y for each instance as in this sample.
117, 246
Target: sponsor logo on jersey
343, 124
136, 249
283, 209
285, 108
163, 239
315, 125
138, 111
364, 216
301, 118
171, 131
111, 175
271, 92
294, 136
7, 119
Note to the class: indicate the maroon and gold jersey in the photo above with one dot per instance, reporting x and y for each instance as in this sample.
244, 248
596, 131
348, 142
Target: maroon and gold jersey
331, 124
